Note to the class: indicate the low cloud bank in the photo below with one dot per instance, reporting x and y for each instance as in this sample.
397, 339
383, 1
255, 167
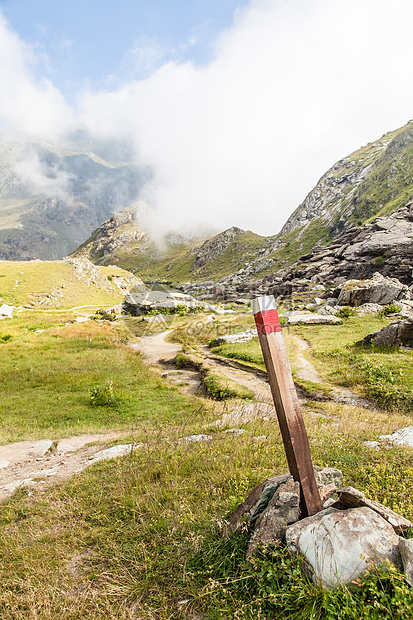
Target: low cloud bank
293, 87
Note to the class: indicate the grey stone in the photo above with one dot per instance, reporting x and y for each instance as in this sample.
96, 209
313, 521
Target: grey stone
40, 448
236, 431
192, 438
369, 308
269, 489
378, 290
339, 545
141, 300
4, 463
245, 336
371, 444
282, 510
257, 500
6, 311
397, 334
112, 453
328, 475
327, 492
406, 552
310, 318
401, 437
349, 496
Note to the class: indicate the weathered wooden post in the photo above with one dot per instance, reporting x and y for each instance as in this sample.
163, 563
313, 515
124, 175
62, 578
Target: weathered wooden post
286, 403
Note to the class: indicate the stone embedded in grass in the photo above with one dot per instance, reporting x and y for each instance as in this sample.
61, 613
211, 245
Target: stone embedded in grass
310, 318
245, 336
340, 545
406, 552
6, 311
401, 437
397, 334
112, 453
192, 438
236, 431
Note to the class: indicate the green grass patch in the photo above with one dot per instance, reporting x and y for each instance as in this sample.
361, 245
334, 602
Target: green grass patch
136, 536
220, 387
244, 351
53, 284
384, 376
47, 378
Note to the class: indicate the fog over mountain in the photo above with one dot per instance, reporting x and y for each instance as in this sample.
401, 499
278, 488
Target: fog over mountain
292, 87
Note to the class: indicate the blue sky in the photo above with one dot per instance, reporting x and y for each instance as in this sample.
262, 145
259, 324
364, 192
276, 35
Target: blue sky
237, 107
102, 42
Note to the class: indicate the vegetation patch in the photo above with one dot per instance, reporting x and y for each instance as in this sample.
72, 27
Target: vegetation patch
220, 387
245, 351
384, 376
47, 375
388, 310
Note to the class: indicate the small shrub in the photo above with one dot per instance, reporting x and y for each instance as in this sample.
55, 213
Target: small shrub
5, 338
346, 312
104, 315
103, 396
389, 309
181, 310
378, 261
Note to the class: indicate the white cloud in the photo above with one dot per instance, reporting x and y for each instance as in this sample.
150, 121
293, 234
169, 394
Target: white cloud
26, 104
294, 85
41, 179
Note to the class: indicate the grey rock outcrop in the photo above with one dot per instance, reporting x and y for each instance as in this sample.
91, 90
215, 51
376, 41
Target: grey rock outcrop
340, 545
216, 246
282, 510
379, 290
141, 301
397, 334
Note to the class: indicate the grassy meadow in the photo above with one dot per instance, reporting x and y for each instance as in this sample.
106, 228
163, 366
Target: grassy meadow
144, 536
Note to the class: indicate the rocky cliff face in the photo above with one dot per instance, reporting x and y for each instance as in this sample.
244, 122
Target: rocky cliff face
372, 181
384, 245
51, 198
357, 221
120, 231
211, 249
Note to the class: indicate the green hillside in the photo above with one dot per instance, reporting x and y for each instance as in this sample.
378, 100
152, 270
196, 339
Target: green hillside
59, 285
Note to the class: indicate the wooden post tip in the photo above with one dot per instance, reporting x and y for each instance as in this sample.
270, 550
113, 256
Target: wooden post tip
263, 303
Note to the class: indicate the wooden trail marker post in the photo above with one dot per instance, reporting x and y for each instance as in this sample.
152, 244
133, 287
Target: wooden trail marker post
286, 403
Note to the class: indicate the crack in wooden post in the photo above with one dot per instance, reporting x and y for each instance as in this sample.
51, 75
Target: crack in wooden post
290, 419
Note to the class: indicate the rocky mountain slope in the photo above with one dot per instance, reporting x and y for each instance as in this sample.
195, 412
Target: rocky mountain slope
51, 198
357, 220
122, 241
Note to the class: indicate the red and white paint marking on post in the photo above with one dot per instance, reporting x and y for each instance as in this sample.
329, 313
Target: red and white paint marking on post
286, 403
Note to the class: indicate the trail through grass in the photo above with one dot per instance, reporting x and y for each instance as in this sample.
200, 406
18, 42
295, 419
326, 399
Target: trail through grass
144, 536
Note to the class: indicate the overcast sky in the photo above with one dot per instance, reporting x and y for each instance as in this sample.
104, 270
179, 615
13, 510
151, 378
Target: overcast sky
239, 107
